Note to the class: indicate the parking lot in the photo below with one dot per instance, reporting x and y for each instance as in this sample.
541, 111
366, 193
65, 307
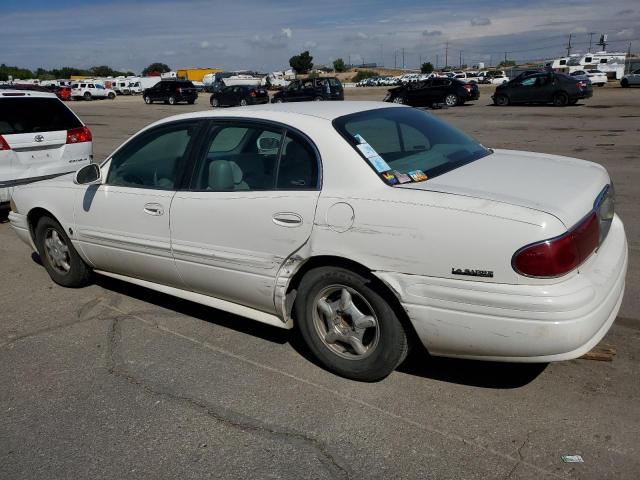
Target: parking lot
116, 381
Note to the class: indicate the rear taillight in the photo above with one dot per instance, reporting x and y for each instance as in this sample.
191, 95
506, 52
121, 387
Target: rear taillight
252, 93
468, 86
580, 85
559, 255
79, 135
179, 89
3, 144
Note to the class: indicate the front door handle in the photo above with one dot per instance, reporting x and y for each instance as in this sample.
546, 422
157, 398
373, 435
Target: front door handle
154, 209
287, 219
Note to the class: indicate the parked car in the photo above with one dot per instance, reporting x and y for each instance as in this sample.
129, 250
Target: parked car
468, 77
91, 91
339, 204
63, 93
546, 87
596, 77
40, 137
449, 91
239, 95
493, 77
319, 88
629, 79
171, 92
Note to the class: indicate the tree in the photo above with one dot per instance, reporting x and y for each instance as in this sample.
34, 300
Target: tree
156, 68
339, 65
362, 74
301, 63
426, 67
507, 63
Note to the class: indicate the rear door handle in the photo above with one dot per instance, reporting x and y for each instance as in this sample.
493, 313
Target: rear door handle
287, 219
154, 209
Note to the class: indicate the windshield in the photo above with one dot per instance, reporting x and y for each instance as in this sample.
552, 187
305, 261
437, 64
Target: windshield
405, 144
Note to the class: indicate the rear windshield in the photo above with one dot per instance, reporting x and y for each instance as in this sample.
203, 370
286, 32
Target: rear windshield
408, 145
30, 115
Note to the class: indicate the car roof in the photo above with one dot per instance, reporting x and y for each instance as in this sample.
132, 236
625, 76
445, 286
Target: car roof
324, 110
22, 93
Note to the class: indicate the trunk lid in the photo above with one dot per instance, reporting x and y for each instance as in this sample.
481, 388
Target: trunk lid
564, 187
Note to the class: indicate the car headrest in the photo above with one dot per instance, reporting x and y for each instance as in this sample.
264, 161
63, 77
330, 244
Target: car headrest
224, 175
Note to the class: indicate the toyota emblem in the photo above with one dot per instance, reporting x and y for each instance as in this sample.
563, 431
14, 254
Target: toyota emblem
39, 138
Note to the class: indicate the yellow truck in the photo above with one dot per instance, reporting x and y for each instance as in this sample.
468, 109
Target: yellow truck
196, 74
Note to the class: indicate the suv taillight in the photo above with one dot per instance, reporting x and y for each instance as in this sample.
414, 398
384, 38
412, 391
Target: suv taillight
3, 144
558, 256
179, 89
79, 135
252, 93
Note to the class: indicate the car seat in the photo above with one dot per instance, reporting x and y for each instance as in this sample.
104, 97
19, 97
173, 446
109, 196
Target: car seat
225, 176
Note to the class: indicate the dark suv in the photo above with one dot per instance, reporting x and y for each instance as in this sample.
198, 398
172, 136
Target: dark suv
171, 91
320, 88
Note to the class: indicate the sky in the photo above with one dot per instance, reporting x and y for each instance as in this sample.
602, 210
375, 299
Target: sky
262, 35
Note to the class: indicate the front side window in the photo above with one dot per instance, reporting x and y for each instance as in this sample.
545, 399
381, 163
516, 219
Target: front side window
529, 82
154, 158
405, 145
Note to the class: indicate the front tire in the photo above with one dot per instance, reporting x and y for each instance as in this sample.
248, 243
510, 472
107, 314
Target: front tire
215, 103
398, 99
243, 103
59, 257
501, 100
111, 96
561, 99
348, 325
624, 83
87, 96
172, 100
147, 100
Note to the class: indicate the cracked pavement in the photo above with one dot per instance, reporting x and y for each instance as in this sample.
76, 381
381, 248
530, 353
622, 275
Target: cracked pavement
116, 381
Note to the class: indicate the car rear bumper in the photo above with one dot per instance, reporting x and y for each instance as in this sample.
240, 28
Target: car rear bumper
518, 323
258, 100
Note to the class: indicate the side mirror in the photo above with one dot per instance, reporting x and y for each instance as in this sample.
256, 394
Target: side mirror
88, 174
268, 143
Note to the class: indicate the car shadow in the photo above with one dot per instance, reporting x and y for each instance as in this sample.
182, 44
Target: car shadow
492, 375
530, 105
474, 373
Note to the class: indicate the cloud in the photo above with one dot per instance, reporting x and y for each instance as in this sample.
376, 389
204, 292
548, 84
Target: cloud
310, 45
579, 30
623, 13
480, 21
204, 44
356, 37
276, 40
626, 34
431, 33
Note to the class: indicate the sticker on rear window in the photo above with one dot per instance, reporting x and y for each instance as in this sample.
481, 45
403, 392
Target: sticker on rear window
390, 178
417, 175
371, 155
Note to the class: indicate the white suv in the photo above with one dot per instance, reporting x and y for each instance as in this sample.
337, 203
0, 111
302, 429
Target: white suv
40, 138
90, 90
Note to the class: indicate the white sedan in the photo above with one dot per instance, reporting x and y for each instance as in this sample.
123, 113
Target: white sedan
367, 225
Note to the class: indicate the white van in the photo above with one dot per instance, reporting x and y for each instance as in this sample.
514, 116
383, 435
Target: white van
40, 138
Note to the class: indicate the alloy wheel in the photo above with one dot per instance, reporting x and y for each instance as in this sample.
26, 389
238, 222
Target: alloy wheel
345, 322
451, 100
57, 251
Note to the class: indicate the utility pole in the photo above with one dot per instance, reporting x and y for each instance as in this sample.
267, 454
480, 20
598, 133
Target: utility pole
381, 54
591, 34
505, 57
395, 58
403, 58
629, 57
349, 60
420, 64
460, 58
437, 56
569, 46
446, 54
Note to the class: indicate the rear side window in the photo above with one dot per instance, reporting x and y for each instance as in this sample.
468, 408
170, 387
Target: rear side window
31, 115
334, 82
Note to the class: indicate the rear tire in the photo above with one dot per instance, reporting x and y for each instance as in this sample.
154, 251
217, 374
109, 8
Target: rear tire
243, 103
501, 100
318, 99
561, 99
348, 325
59, 257
624, 83
398, 99
111, 96
172, 100
147, 100
279, 100
87, 96
215, 103
451, 100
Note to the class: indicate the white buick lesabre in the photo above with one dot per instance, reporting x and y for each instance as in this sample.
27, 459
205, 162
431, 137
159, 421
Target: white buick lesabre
366, 224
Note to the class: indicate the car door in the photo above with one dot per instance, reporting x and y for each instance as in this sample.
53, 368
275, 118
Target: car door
416, 93
250, 206
122, 225
524, 90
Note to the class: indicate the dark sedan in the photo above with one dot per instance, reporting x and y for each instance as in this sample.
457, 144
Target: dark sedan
543, 88
317, 89
241, 95
449, 91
